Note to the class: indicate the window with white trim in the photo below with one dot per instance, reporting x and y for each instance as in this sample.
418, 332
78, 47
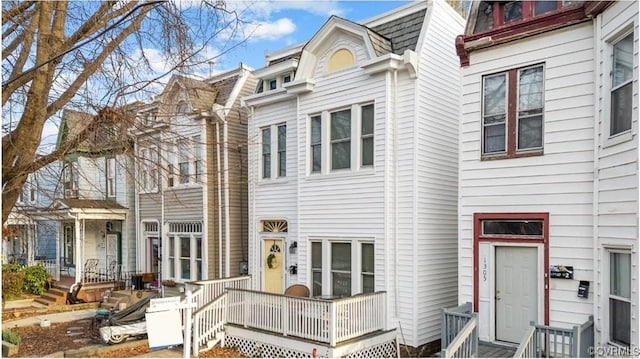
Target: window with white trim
170, 166
342, 267
619, 295
111, 176
148, 169
185, 249
197, 160
183, 161
274, 151
621, 85
342, 139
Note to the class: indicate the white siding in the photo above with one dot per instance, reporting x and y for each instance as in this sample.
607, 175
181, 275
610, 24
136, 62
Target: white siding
617, 170
559, 182
272, 198
438, 104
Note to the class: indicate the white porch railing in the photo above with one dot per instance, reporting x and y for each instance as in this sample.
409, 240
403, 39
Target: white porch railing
51, 266
325, 321
205, 291
465, 344
208, 322
528, 347
453, 320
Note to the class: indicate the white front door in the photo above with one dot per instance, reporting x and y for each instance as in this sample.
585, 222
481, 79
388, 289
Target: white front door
516, 293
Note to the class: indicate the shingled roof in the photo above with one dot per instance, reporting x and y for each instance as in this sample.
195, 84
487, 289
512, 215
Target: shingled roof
403, 32
89, 204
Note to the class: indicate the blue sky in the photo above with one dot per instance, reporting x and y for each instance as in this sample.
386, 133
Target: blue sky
279, 24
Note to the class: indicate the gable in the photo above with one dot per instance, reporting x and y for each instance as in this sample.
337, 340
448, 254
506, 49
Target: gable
346, 51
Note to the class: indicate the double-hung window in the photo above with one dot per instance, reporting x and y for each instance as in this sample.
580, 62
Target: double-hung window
512, 113
342, 139
316, 144
183, 162
111, 176
185, 249
197, 161
170, 165
274, 151
620, 298
266, 152
342, 267
621, 85
148, 169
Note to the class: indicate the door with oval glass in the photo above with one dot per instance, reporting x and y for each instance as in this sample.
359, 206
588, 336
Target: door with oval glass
273, 264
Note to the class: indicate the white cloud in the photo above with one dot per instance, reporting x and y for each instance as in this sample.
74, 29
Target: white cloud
264, 9
264, 30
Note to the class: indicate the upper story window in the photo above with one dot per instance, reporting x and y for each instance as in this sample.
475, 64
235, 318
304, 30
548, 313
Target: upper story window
70, 180
340, 59
274, 151
271, 84
149, 169
197, 158
182, 107
111, 176
348, 138
171, 156
183, 160
621, 85
513, 100
494, 14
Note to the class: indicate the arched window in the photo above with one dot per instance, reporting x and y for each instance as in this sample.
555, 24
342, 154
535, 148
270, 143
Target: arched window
339, 60
182, 107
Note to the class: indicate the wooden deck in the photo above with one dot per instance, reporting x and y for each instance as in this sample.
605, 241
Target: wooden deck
492, 350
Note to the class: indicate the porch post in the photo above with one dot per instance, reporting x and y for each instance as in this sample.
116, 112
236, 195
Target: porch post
77, 256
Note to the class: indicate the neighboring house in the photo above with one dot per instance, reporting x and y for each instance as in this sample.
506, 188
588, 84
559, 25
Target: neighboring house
191, 186
30, 232
97, 225
353, 165
548, 210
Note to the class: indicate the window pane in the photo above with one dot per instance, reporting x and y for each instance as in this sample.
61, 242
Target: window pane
266, 140
317, 283
340, 155
198, 270
282, 148
316, 151
494, 138
282, 138
620, 271
316, 130
620, 321
186, 268
185, 247
341, 125
199, 248
530, 89
545, 6
367, 151
512, 11
530, 132
368, 284
171, 246
518, 228
621, 104
282, 164
484, 20
341, 284
495, 95
623, 60
367, 257
367, 119
341, 256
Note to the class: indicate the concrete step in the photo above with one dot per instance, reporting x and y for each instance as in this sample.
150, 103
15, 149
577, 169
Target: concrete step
48, 300
58, 291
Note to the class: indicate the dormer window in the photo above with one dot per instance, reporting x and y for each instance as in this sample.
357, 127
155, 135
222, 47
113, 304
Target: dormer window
182, 107
286, 78
339, 60
273, 84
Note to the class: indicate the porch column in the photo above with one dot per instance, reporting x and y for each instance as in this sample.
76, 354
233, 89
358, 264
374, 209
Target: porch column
78, 254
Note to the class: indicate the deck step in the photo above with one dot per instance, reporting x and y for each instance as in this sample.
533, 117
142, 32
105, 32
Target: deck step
495, 350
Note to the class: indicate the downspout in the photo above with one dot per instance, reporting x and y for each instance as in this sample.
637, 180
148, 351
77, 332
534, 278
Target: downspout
596, 178
77, 258
140, 242
204, 179
227, 230
219, 201
395, 187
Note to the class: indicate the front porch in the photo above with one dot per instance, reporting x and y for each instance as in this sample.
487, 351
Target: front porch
460, 339
266, 324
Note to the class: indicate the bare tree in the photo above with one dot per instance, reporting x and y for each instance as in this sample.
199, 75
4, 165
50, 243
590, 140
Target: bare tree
93, 57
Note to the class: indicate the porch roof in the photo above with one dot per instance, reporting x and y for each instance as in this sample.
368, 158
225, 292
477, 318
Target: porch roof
92, 208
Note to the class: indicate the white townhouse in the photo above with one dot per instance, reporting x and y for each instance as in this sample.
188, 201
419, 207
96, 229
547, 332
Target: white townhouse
548, 211
191, 187
353, 146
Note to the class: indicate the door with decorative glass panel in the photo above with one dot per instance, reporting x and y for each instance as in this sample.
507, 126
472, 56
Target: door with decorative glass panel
273, 264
